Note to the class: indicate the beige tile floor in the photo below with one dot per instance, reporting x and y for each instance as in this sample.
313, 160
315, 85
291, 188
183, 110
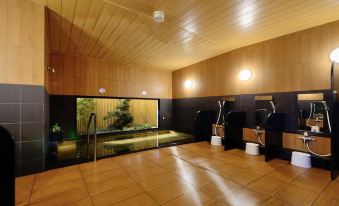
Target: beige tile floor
191, 174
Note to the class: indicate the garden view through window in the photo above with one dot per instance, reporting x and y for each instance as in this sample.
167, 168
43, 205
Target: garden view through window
114, 115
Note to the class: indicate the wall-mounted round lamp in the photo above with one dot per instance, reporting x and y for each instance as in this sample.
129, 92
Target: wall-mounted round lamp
102, 90
188, 84
144, 93
334, 56
245, 75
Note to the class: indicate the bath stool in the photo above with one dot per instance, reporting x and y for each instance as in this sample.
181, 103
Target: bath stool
216, 141
252, 148
301, 159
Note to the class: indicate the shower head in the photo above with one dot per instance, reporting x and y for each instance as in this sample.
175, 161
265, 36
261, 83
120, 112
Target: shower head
325, 105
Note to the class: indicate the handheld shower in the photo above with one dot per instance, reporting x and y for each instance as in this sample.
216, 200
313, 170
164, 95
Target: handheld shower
311, 114
327, 114
215, 128
273, 106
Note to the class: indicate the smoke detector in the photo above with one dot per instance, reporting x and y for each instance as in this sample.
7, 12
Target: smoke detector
159, 16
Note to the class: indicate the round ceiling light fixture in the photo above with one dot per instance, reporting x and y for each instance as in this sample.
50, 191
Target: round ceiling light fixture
334, 56
245, 74
188, 84
159, 16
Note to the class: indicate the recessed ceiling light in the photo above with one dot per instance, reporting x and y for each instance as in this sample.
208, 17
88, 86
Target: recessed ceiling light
159, 16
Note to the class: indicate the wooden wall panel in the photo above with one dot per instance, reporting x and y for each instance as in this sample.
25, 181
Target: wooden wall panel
322, 145
22, 42
84, 76
249, 136
295, 62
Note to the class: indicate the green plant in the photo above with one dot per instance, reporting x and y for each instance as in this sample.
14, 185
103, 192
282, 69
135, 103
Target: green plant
142, 126
84, 108
56, 128
121, 115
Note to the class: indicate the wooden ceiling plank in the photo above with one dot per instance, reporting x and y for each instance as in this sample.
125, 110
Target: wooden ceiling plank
298, 10
54, 9
93, 15
269, 17
80, 14
118, 18
67, 14
123, 39
102, 22
193, 30
230, 17
156, 40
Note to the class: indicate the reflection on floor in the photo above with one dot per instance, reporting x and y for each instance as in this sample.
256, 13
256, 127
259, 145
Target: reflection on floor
78, 151
191, 174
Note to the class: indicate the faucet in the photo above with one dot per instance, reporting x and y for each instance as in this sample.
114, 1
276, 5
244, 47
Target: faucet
258, 132
306, 138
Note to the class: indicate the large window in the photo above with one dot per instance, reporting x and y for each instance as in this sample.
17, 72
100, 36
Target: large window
115, 115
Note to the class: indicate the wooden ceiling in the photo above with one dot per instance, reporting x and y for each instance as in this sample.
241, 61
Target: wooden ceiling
123, 31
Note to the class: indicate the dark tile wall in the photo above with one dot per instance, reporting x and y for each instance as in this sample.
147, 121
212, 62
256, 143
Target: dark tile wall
184, 110
165, 114
63, 112
24, 112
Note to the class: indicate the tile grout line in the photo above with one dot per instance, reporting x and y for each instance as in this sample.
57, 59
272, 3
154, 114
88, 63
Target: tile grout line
31, 192
269, 196
322, 192
139, 186
83, 180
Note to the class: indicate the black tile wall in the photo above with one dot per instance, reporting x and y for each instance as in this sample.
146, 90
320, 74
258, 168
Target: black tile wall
32, 112
9, 93
63, 112
14, 129
24, 112
32, 94
32, 131
10, 113
31, 150
165, 114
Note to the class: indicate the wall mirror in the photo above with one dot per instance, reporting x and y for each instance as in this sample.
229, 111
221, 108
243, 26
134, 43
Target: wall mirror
264, 106
229, 104
313, 112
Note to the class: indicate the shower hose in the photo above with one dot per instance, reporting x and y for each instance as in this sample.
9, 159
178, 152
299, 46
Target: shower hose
330, 129
259, 138
314, 153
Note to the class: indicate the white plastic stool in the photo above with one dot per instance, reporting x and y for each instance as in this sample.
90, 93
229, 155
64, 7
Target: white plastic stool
301, 159
216, 141
252, 148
